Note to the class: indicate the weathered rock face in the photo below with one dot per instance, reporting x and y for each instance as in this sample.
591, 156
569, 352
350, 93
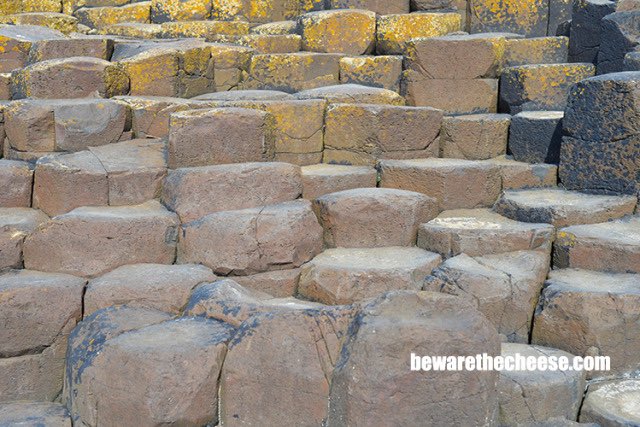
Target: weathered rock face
39, 311
521, 17
318, 180
15, 225
618, 37
42, 413
359, 218
16, 178
503, 287
586, 312
474, 136
393, 32
345, 276
535, 136
601, 147
529, 397
368, 386
612, 403
586, 28
351, 32
285, 339
251, 241
155, 286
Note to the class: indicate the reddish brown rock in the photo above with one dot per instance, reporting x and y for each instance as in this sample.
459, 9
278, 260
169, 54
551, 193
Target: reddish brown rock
90, 241
519, 175
370, 385
195, 192
318, 180
250, 241
279, 283
360, 217
474, 136
16, 181
155, 286
219, 136
456, 184
15, 225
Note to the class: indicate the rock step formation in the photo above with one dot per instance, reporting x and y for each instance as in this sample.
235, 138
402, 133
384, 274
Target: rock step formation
265, 212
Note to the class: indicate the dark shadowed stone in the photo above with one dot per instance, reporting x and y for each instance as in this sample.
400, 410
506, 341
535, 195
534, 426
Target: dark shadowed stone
535, 136
620, 32
587, 15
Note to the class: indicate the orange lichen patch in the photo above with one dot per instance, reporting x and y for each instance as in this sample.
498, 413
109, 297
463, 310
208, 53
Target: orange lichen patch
265, 43
228, 9
339, 31
180, 10
376, 71
205, 29
70, 6
539, 50
57, 21
99, 17
528, 17
133, 29
153, 73
9, 7
394, 31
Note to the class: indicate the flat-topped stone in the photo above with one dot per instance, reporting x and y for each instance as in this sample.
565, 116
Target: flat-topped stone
613, 403
520, 175
535, 136
612, 246
245, 95
478, 232
393, 32
360, 217
455, 183
563, 208
232, 303
352, 93
571, 312
542, 395
345, 276
318, 180
351, 32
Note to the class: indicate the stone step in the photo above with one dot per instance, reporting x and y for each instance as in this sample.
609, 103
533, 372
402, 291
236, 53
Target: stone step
591, 313
16, 40
77, 45
612, 246
39, 310
361, 217
394, 32
345, 276
98, 17
56, 21
250, 241
321, 179
536, 50
154, 286
520, 175
613, 403
455, 183
383, 71
504, 287
563, 208
478, 232
125, 173
90, 241
15, 225
535, 136
196, 192
474, 136
351, 32
352, 94
529, 397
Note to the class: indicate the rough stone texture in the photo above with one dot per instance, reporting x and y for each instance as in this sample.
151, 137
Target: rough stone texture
540, 87
478, 232
503, 287
16, 40
535, 136
39, 311
361, 134
284, 339
185, 392
204, 29
586, 24
16, 179
99, 17
459, 57
56, 21
345, 276
631, 61
277, 28
619, 35
470, 96
228, 301
90, 241
74, 77
562, 208
245, 95
15, 225
371, 385
519, 175
195, 192
219, 136
380, 7
180, 10
251, 241
528, 17
97, 47
126, 173
529, 397
601, 150
293, 72
454, 183
351, 32
318, 180
394, 31
34, 413
279, 283
382, 71
63, 125
86, 342
586, 312
537, 50
155, 286
360, 218
352, 94
613, 403
612, 246
475, 136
